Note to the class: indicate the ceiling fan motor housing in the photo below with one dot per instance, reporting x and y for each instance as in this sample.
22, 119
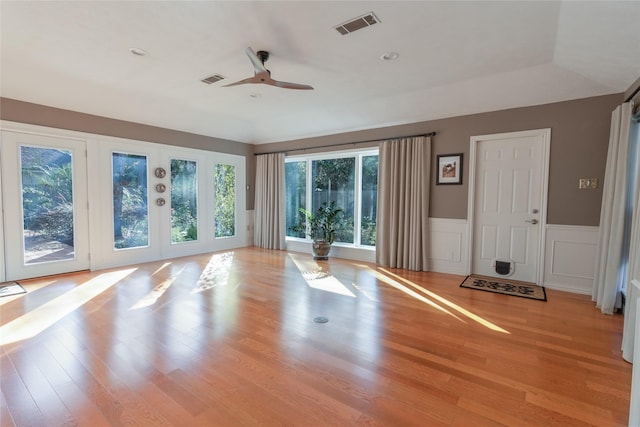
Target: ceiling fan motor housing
263, 55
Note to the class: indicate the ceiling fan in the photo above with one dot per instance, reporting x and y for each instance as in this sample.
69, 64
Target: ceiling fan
262, 75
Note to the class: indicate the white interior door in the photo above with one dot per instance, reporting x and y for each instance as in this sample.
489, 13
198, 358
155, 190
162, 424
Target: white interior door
44, 191
509, 203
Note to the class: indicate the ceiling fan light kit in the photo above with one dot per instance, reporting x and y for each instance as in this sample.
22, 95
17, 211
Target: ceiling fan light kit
262, 75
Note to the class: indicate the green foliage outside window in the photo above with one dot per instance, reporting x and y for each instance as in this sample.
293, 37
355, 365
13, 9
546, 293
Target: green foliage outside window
296, 193
47, 193
369, 200
184, 201
225, 184
130, 213
333, 182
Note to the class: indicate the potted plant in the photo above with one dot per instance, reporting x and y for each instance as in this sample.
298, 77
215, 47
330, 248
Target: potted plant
320, 226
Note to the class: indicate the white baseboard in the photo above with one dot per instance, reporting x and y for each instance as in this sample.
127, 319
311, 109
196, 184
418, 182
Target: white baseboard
570, 254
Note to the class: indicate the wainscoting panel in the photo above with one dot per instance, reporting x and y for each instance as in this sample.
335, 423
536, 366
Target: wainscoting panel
449, 244
570, 254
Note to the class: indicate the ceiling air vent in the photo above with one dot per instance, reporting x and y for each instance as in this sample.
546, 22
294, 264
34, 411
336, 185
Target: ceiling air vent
357, 23
212, 79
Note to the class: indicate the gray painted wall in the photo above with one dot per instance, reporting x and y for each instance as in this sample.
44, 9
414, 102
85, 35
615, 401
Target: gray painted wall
579, 142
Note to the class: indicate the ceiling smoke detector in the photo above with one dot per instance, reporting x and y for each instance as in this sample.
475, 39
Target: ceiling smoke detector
358, 23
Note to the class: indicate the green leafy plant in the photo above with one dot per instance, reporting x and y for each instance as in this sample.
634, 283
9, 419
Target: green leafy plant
320, 225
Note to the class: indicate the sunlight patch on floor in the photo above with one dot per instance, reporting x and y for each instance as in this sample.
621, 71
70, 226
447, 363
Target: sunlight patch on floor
448, 303
365, 293
216, 273
162, 267
317, 277
428, 297
153, 296
399, 286
32, 323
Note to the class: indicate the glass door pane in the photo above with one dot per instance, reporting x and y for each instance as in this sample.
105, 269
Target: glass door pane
130, 207
47, 204
225, 200
184, 201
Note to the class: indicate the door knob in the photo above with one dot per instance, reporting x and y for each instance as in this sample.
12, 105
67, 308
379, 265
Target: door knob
532, 221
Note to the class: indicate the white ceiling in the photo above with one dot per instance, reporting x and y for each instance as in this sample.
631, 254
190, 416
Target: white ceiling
455, 58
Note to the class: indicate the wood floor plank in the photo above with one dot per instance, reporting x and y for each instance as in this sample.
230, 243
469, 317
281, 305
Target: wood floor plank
229, 339
44, 395
22, 407
5, 415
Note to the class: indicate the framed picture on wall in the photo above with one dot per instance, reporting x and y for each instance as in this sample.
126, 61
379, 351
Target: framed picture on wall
449, 169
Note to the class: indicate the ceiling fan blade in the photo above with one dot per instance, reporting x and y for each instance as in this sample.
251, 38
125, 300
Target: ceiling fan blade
287, 85
257, 63
244, 81
262, 75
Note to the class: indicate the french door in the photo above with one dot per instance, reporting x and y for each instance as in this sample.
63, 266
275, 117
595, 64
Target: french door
164, 202
45, 221
200, 202
73, 202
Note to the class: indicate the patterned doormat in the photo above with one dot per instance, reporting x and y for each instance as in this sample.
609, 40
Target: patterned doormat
505, 286
11, 288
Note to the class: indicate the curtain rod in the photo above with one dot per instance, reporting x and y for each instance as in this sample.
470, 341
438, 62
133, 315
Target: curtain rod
344, 143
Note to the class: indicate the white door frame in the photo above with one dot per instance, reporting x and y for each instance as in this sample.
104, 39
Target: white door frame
542, 230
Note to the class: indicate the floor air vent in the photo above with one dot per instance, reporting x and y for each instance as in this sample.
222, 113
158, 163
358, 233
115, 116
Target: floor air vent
212, 79
357, 23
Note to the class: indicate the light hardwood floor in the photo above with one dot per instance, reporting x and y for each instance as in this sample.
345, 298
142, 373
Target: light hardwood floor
229, 339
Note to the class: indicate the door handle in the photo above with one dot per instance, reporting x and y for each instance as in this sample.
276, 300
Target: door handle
532, 221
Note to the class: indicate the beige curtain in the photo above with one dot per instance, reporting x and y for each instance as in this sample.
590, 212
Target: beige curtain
269, 226
403, 203
607, 278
